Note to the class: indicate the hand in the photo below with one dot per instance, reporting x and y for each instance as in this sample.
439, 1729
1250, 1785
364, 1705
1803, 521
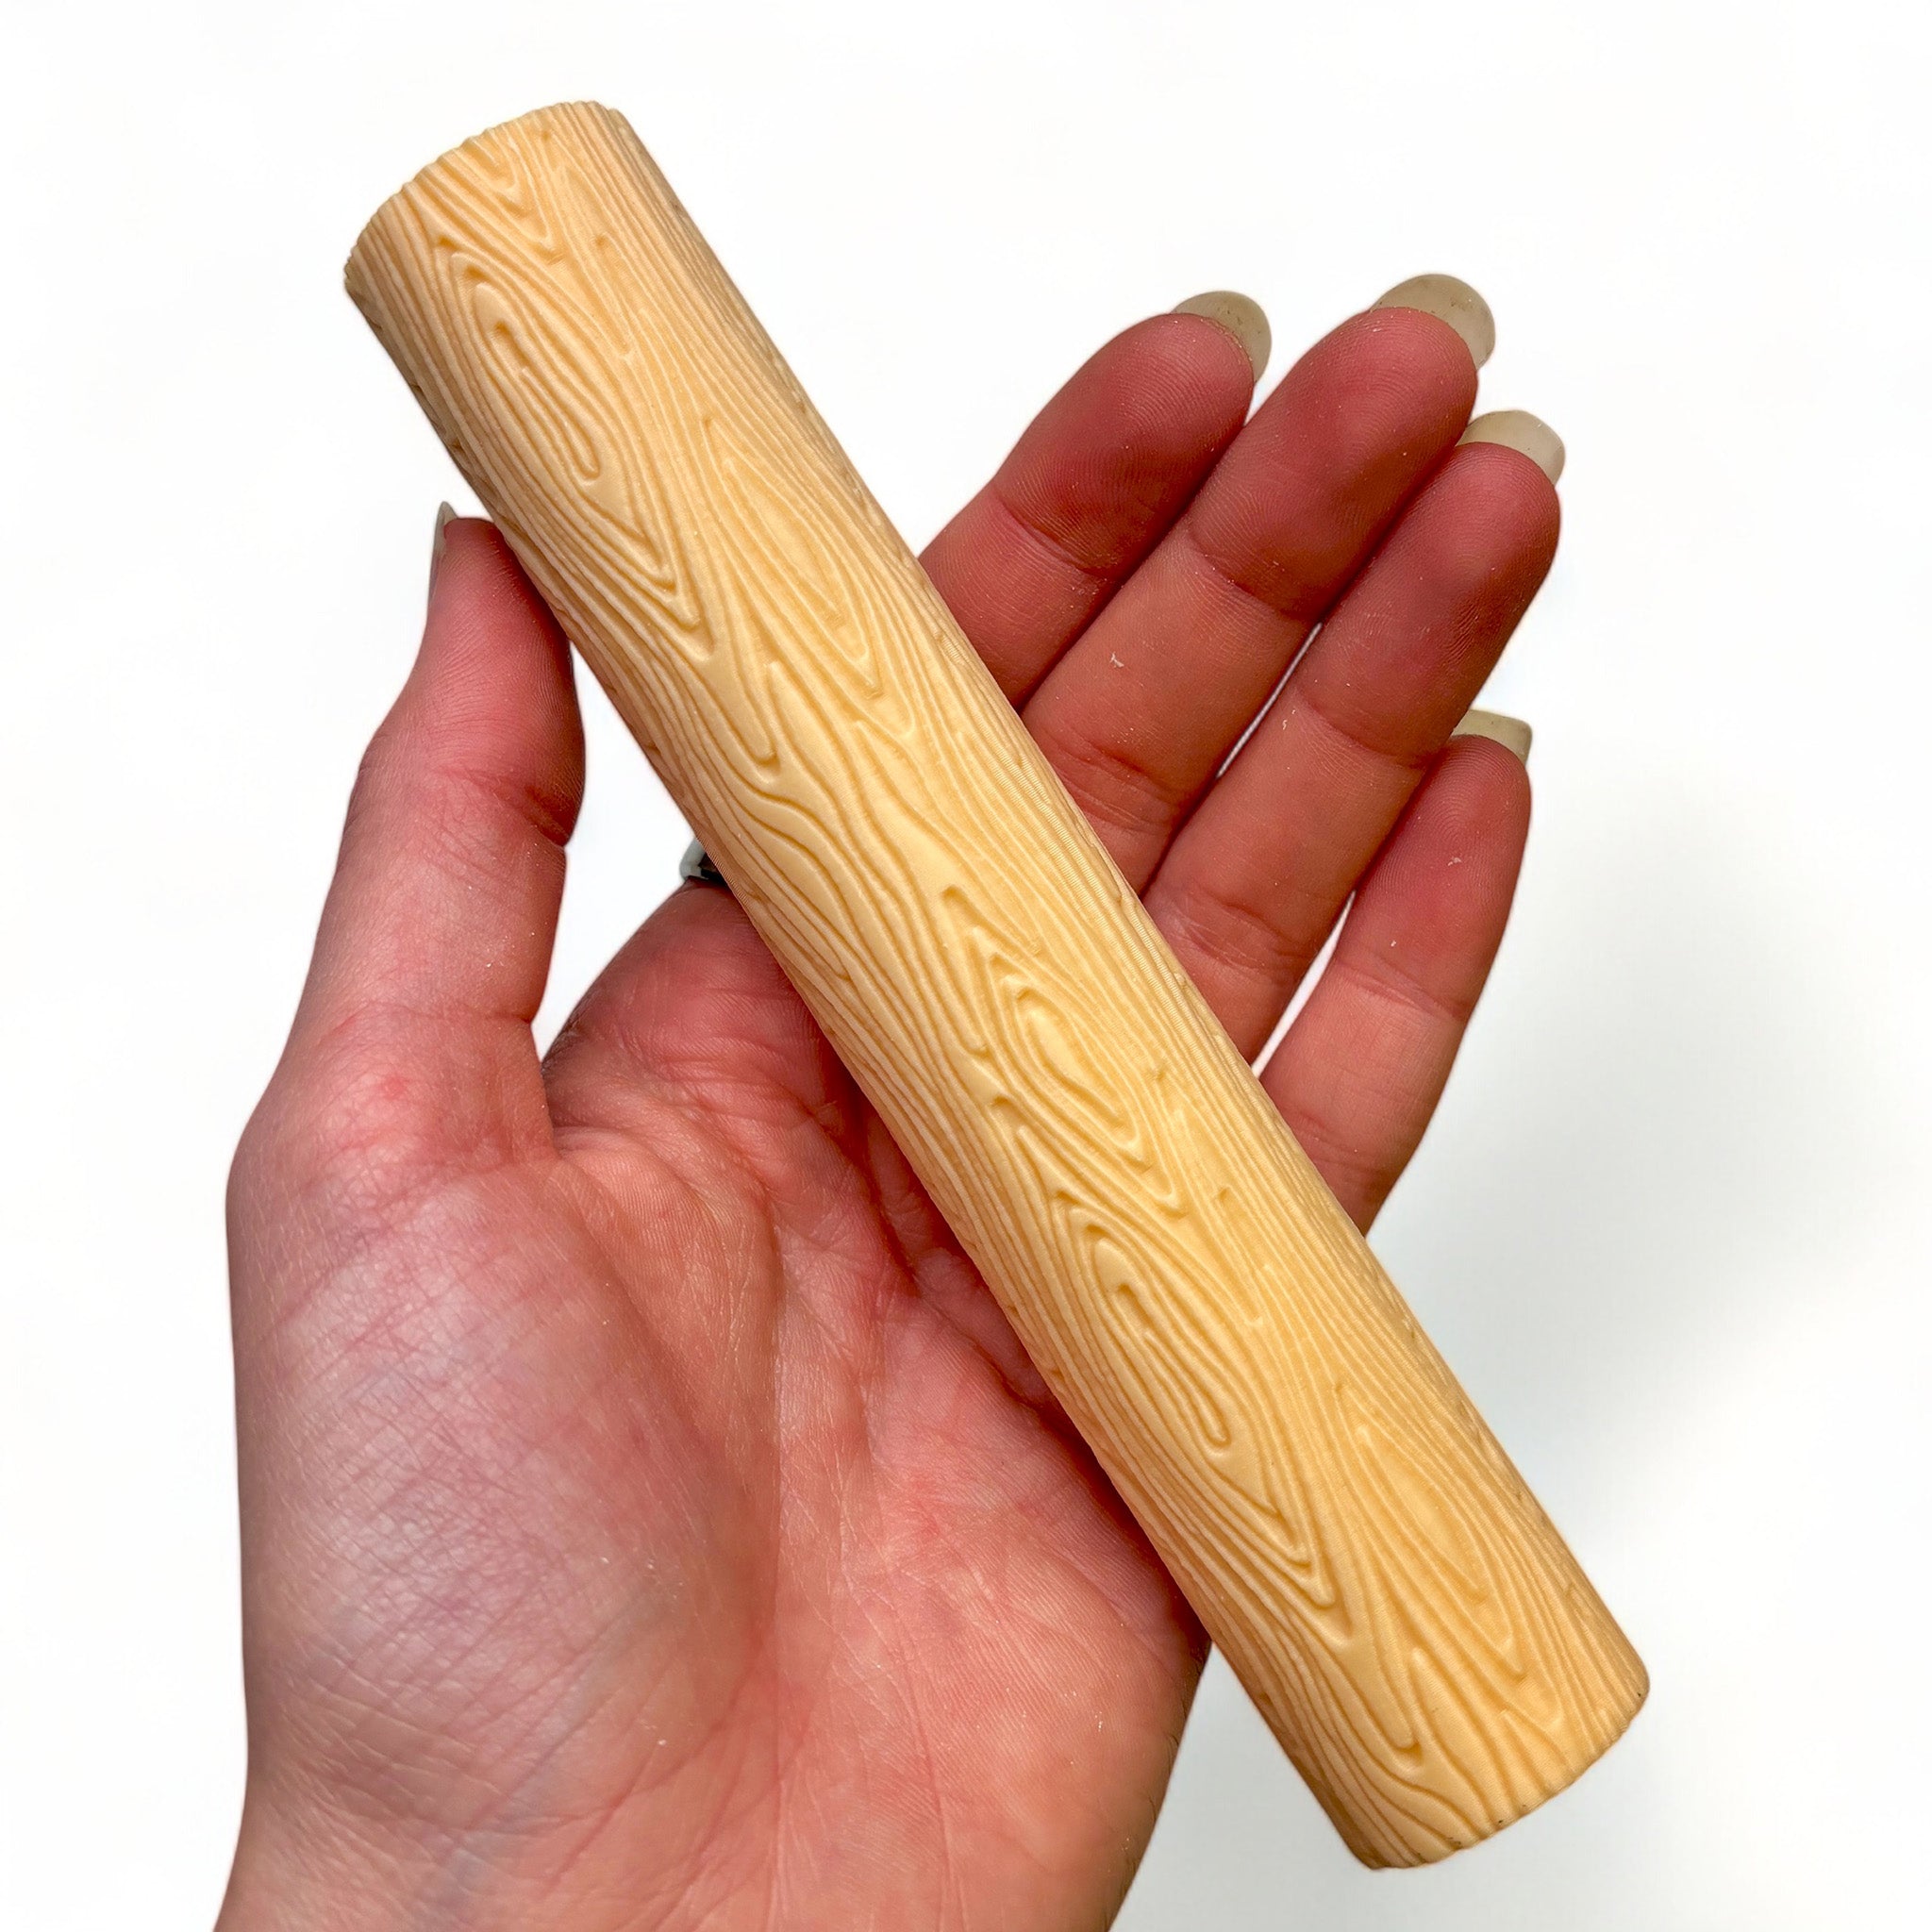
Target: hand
649, 1519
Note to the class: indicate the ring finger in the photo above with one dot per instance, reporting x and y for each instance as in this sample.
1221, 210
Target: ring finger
1254, 882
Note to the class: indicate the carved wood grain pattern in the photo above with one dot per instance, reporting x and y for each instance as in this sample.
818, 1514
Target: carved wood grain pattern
1413, 1628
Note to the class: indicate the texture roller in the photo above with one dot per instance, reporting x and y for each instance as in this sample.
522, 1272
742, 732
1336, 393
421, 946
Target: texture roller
1415, 1631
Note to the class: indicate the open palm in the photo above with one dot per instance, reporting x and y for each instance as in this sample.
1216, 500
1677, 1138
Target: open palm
649, 1517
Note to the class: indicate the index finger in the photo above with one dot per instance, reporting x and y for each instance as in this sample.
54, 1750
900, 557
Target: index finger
1093, 485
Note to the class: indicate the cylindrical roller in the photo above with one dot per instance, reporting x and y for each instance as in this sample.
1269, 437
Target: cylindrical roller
1416, 1634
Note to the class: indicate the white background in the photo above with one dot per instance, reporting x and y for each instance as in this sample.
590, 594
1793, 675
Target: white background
1671, 1227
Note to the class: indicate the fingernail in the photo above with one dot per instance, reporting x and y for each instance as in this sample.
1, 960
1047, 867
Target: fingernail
1452, 301
1241, 316
1519, 429
1511, 733
445, 516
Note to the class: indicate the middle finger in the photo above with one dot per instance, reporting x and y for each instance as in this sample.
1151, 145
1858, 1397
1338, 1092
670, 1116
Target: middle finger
1140, 714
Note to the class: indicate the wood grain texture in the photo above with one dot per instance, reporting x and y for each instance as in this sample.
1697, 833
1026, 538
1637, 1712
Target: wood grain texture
1415, 1631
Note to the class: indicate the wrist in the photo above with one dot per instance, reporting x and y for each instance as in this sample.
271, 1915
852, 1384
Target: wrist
301, 1868
288, 1876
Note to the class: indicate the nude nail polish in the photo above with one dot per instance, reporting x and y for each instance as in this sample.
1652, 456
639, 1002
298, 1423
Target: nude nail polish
1449, 300
445, 516
1511, 733
1519, 430
1241, 316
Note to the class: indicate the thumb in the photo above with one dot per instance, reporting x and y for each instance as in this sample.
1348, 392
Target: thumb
414, 1026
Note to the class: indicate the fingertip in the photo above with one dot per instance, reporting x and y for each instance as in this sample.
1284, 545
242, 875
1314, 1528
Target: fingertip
1406, 360
1179, 386
1487, 515
494, 687
1361, 1068
478, 574
1475, 802
1106, 464
1336, 450
1091, 487
1447, 872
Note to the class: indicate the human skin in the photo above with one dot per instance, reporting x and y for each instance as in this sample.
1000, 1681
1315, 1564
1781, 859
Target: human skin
648, 1517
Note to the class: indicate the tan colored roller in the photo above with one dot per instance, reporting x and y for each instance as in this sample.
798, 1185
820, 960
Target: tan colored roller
1415, 1631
